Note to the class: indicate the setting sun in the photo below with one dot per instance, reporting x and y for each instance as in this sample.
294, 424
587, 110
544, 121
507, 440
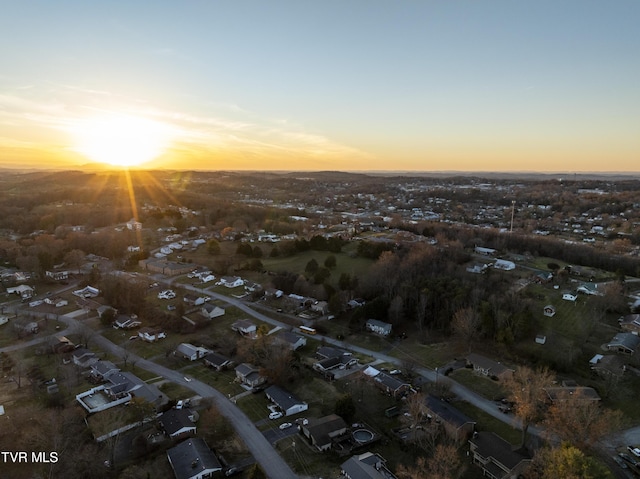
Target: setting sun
120, 140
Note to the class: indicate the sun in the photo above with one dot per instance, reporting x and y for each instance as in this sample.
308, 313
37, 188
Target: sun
120, 139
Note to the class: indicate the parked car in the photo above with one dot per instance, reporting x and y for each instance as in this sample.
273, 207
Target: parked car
275, 415
620, 462
628, 458
285, 425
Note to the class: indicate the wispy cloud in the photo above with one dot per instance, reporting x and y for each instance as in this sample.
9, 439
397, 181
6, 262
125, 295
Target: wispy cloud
242, 133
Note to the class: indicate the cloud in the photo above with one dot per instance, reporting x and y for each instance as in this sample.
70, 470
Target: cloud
235, 131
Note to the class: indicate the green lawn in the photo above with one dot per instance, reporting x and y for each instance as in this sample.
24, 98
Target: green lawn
484, 386
486, 422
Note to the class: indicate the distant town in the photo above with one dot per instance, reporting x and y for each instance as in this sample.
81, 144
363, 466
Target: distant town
200, 324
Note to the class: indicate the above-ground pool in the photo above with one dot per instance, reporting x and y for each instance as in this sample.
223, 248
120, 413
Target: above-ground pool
363, 435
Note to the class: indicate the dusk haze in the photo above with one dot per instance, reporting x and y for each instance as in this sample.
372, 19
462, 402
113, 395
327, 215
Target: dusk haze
354, 85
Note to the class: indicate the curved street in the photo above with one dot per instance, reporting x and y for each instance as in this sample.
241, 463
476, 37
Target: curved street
264, 453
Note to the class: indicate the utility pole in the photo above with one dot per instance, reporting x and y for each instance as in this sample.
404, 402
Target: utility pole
513, 211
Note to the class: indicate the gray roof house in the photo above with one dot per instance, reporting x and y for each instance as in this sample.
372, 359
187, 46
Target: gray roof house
287, 402
488, 367
210, 311
321, 431
177, 423
191, 352
496, 457
457, 425
366, 466
216, 361
291, 340
378, 327
192, 459
626, 343
249, 375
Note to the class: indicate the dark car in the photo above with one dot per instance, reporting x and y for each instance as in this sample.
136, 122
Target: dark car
628, 458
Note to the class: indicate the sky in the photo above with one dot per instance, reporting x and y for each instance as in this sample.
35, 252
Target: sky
352, 85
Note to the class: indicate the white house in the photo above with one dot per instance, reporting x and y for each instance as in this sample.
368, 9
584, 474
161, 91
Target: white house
231, 281
287, 402
504, 265
211, 311
191, 352
151, 335
378, 327
569, 297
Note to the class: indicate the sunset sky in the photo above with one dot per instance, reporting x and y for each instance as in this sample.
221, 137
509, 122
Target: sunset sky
410, 85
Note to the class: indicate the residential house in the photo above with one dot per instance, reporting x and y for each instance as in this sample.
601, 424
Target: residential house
488, 367
320, 307
245, 327
126, 322
321, 432
366, 466
56, 301
549, 311
4, 319
216, 361
589, 288
62, 344
178, 423
151, 335
456, 424
626, 343
87, 292
290, 340
391, 385
192, 459
83, 358
608, 366
330, 358
504, 265
378, 327
134, 225
26, 326
477, 268
248, 375
191, 352
57, 275
273, 293
485, 251
497, 458
231, 281
571, 389
286, 401
568, 296
121, 383
630, 323
24, 291
192, 299
210, 311
102, 369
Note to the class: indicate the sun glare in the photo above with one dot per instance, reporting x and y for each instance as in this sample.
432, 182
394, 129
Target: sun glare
121, 140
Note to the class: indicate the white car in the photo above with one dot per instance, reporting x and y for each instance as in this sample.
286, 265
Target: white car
275, 415
167, 294
285, 425
187, 378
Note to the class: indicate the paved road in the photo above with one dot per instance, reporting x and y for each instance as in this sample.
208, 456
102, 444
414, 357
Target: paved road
272, 464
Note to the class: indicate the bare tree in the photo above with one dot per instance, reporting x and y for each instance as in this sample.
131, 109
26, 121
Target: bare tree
466, 325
